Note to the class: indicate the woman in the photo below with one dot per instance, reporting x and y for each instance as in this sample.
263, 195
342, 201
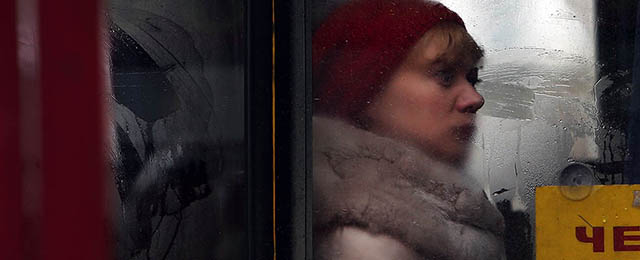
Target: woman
394, 113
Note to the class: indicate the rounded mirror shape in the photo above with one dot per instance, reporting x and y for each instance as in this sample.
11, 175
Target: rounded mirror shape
576, 181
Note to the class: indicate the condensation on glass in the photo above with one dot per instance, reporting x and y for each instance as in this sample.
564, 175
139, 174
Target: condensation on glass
557, 98
177, 77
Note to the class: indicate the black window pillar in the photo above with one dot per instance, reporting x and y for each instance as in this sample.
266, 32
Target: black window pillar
293, 129
258, 125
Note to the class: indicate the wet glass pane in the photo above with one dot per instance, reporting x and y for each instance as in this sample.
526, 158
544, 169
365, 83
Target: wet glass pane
556, 78
541, 113
177, 76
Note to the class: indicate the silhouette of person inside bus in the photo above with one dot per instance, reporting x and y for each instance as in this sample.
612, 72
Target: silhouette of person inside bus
394, 108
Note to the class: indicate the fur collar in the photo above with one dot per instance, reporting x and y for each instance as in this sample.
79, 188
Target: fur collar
384, 186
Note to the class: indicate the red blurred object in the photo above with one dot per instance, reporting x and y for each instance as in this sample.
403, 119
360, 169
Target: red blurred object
73, 218
10, 178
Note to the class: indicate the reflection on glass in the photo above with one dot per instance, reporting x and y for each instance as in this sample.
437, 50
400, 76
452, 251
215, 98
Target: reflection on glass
176, 73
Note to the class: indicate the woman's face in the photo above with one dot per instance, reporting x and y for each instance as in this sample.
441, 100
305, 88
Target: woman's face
429, 103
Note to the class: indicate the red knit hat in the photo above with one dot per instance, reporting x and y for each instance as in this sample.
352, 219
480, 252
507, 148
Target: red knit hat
359, 46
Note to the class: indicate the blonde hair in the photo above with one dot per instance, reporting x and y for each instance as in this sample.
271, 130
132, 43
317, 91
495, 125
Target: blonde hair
456, 47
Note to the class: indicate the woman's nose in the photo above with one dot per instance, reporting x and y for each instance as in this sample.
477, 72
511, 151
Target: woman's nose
469, 100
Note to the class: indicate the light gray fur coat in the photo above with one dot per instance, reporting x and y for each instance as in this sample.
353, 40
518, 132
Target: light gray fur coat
389, 188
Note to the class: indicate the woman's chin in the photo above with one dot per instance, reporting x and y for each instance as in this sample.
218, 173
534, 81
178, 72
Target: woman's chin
454, 154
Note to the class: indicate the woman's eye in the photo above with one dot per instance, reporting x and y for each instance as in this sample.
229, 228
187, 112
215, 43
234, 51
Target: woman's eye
472, 77
445, 77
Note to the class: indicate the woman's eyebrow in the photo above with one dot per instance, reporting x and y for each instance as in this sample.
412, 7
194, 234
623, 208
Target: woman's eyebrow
437, 64
448, 60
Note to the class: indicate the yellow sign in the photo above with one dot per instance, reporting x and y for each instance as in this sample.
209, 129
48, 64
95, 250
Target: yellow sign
588, 222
